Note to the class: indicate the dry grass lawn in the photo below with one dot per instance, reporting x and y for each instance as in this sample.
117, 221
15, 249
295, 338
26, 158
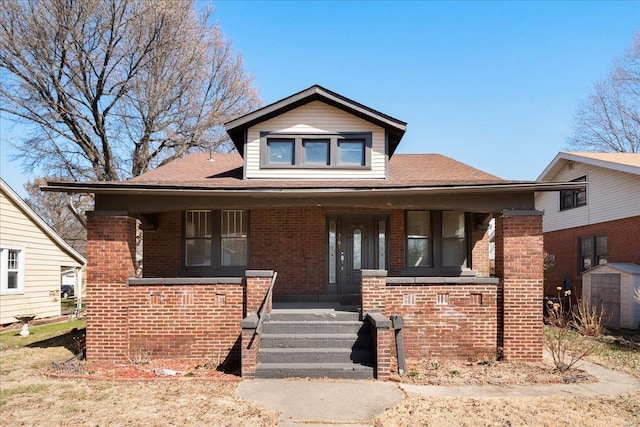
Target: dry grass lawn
620, 351
28, 397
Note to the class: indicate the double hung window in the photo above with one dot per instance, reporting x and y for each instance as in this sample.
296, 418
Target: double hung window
215, 240
573, 198
11, 270
593, 251
436, 239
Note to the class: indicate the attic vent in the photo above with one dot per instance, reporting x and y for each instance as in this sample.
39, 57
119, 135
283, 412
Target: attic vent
571, 166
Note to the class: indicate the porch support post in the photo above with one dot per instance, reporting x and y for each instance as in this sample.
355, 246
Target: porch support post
519, 263
111, 254
381, 330
250, 346
258, 282
373, 291
256, 290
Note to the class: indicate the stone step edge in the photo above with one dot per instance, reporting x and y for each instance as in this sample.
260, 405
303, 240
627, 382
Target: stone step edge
313, 366
313, 350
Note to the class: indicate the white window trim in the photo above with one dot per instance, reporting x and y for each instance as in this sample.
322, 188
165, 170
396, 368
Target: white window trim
4, 256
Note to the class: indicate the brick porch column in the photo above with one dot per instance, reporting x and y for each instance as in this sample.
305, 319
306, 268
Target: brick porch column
373, 289
257, 286
519, 263
111, 252
258, 282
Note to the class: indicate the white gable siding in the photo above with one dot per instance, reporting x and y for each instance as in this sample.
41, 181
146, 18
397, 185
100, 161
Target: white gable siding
315, 117
611, 195
43, 260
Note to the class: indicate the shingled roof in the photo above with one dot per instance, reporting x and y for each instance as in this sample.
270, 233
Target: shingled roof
224, 170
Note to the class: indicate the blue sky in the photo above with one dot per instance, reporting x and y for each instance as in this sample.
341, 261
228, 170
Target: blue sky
492, 84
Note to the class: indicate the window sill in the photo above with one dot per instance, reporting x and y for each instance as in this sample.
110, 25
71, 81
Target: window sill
12, 292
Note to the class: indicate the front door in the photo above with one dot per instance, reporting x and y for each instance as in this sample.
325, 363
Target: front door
356, 250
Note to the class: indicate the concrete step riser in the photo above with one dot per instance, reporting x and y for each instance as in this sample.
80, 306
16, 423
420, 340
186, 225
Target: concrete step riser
317, 356
303, 317
318, 371
277, 327
293, 341
309, 373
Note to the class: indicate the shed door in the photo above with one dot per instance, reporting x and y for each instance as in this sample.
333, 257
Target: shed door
605, 294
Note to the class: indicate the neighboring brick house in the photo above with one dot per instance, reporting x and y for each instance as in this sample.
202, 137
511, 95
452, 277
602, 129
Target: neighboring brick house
598, 224
316, 193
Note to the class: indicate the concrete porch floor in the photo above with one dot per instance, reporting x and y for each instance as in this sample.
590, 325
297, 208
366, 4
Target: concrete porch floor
312, 307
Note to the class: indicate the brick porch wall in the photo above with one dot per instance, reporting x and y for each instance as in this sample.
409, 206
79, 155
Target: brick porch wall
519, 263
111, 246
185, 321
623, 245
465, 327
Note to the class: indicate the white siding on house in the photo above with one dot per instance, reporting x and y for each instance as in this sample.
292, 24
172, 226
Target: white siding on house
315, 117
611, 195
43, 262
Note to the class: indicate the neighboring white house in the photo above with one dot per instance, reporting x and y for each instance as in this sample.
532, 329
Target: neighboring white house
32, 260
599, 224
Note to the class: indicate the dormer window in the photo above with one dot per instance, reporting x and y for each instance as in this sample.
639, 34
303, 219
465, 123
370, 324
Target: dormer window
341, 151
281, 151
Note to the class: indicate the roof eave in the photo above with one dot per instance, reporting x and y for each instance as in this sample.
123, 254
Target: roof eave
110, 188
563, 157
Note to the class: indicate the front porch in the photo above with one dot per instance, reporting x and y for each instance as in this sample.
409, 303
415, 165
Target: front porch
469, 315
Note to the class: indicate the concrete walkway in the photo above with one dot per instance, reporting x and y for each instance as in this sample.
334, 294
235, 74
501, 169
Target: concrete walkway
303, 402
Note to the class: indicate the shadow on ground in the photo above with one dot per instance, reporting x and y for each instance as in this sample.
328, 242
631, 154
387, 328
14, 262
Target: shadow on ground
72, 341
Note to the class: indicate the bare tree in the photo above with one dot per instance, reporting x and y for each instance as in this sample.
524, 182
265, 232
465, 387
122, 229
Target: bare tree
53, 208
111, 88
609, 119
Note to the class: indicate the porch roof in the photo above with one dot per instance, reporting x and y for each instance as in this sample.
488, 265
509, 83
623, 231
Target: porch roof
221, 173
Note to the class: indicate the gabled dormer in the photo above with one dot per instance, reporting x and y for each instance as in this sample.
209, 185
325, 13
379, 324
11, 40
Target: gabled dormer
316, 133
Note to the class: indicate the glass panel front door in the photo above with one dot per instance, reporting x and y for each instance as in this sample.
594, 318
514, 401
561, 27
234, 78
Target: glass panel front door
355, 242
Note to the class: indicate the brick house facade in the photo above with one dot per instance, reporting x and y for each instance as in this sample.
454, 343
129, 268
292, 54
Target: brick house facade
599, 224
328, 206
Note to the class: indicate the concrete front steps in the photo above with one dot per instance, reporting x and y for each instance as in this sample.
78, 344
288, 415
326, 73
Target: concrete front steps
315, 343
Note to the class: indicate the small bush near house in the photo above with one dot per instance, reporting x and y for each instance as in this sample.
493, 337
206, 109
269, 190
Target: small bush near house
562, 338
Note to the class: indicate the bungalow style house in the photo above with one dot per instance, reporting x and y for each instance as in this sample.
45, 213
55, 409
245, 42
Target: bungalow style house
594, 225
356, 235
33, 259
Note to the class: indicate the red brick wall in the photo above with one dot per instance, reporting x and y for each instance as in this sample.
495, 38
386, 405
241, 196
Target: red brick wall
623, 245
162, 248
464, 328
293, 243
480, 252
519, 262
111, 246
190, 321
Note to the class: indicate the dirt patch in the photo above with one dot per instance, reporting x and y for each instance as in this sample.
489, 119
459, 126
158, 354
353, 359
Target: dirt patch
454, 373
154, 369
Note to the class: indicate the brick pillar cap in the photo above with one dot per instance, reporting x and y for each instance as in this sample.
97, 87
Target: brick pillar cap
258, 273
374, 273
522, 212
